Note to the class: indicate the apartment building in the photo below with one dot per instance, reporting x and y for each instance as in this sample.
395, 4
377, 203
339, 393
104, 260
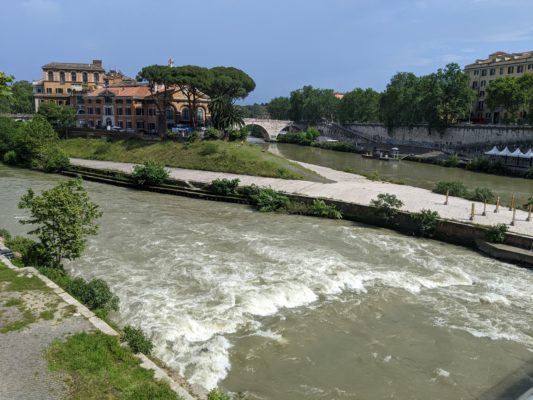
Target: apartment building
60, 81
483, 72
132, 107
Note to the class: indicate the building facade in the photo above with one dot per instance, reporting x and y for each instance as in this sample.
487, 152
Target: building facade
483, 72
61, 81
133, 108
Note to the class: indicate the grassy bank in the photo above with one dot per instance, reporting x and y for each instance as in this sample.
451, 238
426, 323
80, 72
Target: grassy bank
209, 156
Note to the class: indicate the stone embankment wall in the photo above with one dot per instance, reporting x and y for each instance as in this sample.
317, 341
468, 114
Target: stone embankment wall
459, 135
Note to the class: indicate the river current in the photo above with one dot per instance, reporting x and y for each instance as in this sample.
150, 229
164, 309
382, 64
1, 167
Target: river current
289, 307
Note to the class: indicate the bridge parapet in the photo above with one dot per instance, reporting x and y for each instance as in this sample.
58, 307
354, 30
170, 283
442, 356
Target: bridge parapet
271, 127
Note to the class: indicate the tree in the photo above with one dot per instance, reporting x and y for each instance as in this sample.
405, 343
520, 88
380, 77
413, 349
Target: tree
64, 216
279, 108
21, 99
32, 139
359, 105
5, 80
230, 82
313, 105
225, 115
400, 102
61, 117
505, 93
193, 82
159, 78
255, 111
526, 86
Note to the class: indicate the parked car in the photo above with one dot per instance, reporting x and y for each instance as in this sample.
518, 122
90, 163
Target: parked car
117, 129
181, 129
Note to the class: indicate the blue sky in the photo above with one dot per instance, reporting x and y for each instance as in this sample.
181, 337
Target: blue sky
282, 44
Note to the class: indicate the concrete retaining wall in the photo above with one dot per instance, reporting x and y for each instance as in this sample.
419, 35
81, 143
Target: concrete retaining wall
459, 135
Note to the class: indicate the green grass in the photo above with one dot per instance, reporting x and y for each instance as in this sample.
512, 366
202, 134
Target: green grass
19, 283
217, 156
99, 368
28, 318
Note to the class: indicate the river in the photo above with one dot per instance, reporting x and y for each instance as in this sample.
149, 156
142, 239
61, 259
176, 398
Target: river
290, 307
408, 172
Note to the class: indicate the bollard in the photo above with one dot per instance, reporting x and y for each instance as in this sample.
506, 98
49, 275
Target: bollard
447, 194
484, 208
529, 213
512, 203
472, 211
514, 216
497, 204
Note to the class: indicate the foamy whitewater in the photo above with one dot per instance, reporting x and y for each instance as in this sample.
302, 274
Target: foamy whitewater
215, 285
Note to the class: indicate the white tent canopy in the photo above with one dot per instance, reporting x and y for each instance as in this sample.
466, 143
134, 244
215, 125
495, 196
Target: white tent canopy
516, 153
493, 152
528, 154
505, 152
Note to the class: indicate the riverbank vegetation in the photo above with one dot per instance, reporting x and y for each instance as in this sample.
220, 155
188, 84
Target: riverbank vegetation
98, 367
458, 189
213, 155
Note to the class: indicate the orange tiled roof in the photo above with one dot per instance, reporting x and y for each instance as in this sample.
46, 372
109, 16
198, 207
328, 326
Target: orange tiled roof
122, 91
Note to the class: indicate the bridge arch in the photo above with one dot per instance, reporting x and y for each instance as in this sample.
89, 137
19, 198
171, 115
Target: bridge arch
270, 128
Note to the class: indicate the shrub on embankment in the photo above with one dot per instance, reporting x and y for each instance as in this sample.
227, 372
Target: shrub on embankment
458, 189
150, 173
214, 155
33, 144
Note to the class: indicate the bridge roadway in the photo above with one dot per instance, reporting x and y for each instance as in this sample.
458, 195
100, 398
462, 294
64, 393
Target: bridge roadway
349, 188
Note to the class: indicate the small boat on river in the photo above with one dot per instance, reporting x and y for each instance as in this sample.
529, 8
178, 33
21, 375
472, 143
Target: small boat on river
384, 154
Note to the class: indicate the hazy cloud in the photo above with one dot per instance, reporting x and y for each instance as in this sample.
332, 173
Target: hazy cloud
41, 8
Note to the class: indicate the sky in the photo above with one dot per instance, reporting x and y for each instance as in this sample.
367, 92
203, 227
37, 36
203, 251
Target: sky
282, 44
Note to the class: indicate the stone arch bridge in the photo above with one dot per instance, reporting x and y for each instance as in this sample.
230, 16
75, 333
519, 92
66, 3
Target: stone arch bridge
269, 127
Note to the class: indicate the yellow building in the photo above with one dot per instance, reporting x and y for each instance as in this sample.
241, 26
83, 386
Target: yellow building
483, 72
62, 81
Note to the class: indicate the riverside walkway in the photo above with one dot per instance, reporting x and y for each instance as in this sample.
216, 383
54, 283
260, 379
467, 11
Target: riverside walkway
350, 188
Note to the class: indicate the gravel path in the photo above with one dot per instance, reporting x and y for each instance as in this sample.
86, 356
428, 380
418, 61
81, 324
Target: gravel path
351, 188
23, 368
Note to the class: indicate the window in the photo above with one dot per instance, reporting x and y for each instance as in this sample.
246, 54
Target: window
501, 70
50, 76
120, 124
89, 101
520, 69
91, 123
151, 126
49, 90
200, 115
118, 101
529, 66
480, 105
108, 100
90, 110
492, 71
487, 115
97, 111
476, 72
185, 114
483, 83
170, 114
483, 72
98, 101
85, 77
128, 111
73, 77
481, 93
62, 77
119, 111
96, 77
151, 111
80, 100
139, 111
128, 124
108, 111
59, 90
140, 125
510, 70
128, 101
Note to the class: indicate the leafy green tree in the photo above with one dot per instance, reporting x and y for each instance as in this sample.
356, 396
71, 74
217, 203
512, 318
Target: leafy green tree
159, 79
8, 131
230, 82
225, 115
526, 85
21, 100
61, 117
279, 108
400, 102
64, 216
5, 80
193, 82
386, 206
255, 111
506, 93
313, 105
32, 139
359, 105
